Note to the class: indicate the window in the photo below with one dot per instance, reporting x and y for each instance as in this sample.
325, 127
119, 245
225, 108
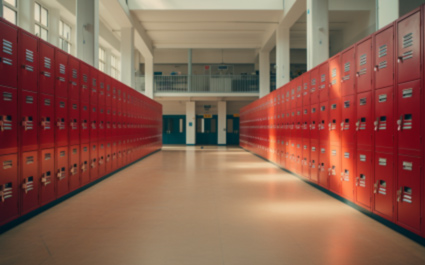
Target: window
65, 36
115, 72
101, 59
10, 11
41, 21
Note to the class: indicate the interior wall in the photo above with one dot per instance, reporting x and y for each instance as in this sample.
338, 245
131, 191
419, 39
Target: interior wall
359, 30
205, 56
179, 107
199, 69
405, 6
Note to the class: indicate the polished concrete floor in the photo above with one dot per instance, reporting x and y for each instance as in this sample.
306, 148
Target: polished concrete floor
215, 206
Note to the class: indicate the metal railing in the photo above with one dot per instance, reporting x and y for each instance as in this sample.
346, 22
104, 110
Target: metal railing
140, 82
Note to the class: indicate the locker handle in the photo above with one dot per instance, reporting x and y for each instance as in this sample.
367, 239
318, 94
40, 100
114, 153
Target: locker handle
400, 123
44, 180
60, 174
376, 68
329, 171
93, 164
83, 168
357, 74
330, 126
357, 181
342, 126
400, 59
399, 194
73, 170
2, 193
376, 123
376, 186
357, 124
1, 125
25, 186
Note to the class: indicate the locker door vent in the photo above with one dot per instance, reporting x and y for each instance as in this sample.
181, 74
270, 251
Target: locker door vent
313, 149
382, 162
62, 104
305, 111
407, 166
62, 154
29, 100
74, 151
74, 73
333, 74
29, 160
333, 106
333, 152
383, 123
346, 155
313, 110
7, 47
323, 150
407, 124
313, 81
29, 55
346, 104
383, 64
47, 102
322, 108
85, 78
7, 164
362, 182
85, 149
383, 51
408, 40
363, 59
47, 156
362, 158
346, 69
323, 78
382, 187
407, 93
74, 106
7, 191
363, 101
7, 96
62, 69
382, 98
305, 147
407, 194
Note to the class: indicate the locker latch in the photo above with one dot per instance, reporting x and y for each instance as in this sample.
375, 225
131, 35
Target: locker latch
73, 124
84, 167
73, 170
45, 178
357, 181
400, 123
45, 123
376, 124
375, 187
376, 68
108, 158
101, 161
61, 124
61, 174
357, 124
6, 191
93, 125
27, 123
84, 125
28, 184
93, 163
330, 126
399, 194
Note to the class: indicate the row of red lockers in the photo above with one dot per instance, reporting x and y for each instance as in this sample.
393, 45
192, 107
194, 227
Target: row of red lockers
354, 124
63, 123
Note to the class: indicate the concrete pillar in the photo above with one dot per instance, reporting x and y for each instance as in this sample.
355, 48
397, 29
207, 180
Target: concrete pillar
26, 15
54, 18
149, 82
222, 123
87, 30
283, 47
264, 73
386, 12
317, 32
108, 54
189, 70
190, 123
127, 56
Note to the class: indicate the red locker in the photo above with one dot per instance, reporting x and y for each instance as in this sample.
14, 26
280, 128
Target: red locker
8, 120
335, 122
409, 118
384, 57
114, 156
409, 193
324, 123
323, 167
94, 169
85, 122
74, 122
85, 163
409, 47
28, 61
119, 154
314, 161
383, 186
335, 77
108, 85
93, 123
9, 55
62, 185
348, 172
306, 89
47, 73
74, 167
334, 170
101, 120
74, 78
314, 122
293, 91
348, 72
101, 92
299, 92
364, 65
306, 124
61, 84
384, 120
9, 208
46, 118
323, 82
94, 75
61, 128
108, 127
108, 159
47, 176
364, 178
348, 120
364, 123
102, 159
314, 85
305, 163
28, 121
29, 182
85, 82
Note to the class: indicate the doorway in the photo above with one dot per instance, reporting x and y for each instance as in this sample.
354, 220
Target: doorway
232, 128
174, 129
206, 130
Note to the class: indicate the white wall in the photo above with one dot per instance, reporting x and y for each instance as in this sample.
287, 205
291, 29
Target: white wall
202, 5
173, 107
298, 56
200, 56
357, 31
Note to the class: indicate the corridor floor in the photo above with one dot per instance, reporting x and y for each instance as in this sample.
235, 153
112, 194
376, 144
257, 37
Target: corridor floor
211, 206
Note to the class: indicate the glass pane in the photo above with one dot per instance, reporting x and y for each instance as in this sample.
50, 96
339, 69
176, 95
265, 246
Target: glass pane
67, 32
180, 125
9, 15
69, 47
213, 125
170, 125
61, 45
37, 30
199, 125
229, 125
101, 66
44, 17
60, 28
113, 72
37, 12
44, 34
113, 61
10, 2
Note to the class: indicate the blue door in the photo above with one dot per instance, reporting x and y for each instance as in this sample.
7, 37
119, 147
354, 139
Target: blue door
232, 128
174, 129
206, 130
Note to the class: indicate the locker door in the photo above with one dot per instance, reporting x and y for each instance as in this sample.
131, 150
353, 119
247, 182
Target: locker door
9, 208
384, 58
85, 121
62, 185
364, 123
93, 123
47, 72
348, 120
314, 161
324, 123
74, 122
409, 48
364, 178
48, 179
8, 120
364, 66
29, 182
299, 92
409, 192
409, 118
384, 120
298, 156
335, 122
114, 123
102, 159
335, 77
28, 61
323, 82
293, 90
61, 84
119, 153
383, 185
94, 169
306, 89
108, 86
74, 167
334, 169
314, 86
348, 172
8, 55
108, 160
348, 69
29, 121
74, 78
61, 128
305, 163
101, 120
102, 92
85, 82
314, 122
114, 156
46, 135
323, 166
306, 124
108, 133
94, 75
85, 163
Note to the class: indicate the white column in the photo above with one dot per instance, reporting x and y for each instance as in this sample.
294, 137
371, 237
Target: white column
1, 8
108, 54
387, 12
264, 73
127, 56
54, 18
317, 32
26, 15
149, 77
222, 120
283, 47
190, 123
88, 31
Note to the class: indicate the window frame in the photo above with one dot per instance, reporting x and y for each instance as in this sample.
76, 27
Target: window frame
62, 38
14, 9
102, 61
39, 23
115, 70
